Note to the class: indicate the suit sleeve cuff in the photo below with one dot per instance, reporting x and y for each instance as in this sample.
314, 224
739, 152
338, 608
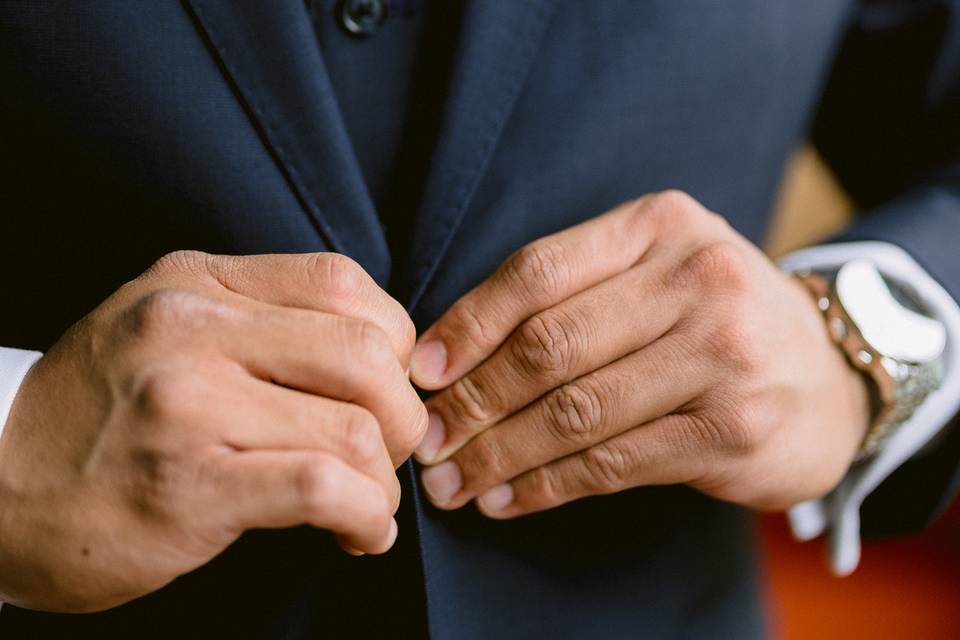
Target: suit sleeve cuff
839, 511
14, 365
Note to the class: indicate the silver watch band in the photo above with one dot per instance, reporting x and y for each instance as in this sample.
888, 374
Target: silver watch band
902, 375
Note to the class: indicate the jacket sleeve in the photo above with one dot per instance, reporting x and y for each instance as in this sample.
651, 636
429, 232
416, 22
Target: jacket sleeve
889, 127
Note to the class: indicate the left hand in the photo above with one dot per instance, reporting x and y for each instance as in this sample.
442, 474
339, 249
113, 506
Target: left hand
650, 345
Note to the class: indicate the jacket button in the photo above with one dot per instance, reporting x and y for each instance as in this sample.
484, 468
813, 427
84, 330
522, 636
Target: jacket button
361, 18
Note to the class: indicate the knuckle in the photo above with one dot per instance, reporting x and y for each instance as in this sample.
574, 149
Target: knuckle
716, 222
733, 345
546, 345
734, 436
539, 270
170, 310
728, 431
481, 460
362, 440
335, 274
681, 435
542, 487
381, 510
317, 485
670, 207
701, 431
719, 265
470, 401
166, 398
575, 412
606, 466
186, 260
470, 326
372, 346
739, 428
676, 199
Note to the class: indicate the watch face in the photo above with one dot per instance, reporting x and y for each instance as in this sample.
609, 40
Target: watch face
889, 327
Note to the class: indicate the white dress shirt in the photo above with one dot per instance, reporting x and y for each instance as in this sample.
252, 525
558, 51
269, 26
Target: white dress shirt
14, 365
840, 510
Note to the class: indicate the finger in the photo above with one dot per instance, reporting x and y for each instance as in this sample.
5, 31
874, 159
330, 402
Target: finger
673, 449
276, 489
634, 390
328, 282
332, 356
259, 416
595, 327
538, 276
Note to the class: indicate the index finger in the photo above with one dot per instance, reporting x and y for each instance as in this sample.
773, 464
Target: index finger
538, 276
280, 489
327, 282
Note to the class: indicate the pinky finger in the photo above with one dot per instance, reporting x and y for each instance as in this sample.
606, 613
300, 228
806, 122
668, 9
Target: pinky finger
658, 452
276, 489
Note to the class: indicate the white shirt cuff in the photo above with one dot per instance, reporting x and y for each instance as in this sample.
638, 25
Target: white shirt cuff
14, 365
840, 510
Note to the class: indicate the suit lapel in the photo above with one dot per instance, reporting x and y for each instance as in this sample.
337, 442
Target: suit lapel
497, 43
269, 53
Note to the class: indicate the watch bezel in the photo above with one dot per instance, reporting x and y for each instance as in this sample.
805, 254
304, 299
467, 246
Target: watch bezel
890, 328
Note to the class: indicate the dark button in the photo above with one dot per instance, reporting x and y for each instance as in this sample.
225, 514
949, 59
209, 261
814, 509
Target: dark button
360, 18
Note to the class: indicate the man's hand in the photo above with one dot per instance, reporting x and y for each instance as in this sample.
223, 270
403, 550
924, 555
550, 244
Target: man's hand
209, 396
651, 345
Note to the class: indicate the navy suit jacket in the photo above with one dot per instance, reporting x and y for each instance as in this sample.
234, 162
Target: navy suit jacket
131, 129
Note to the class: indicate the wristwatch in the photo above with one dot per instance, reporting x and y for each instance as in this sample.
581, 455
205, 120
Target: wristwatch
885, 333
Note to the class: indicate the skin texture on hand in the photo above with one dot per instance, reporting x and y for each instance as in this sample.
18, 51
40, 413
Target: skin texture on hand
211, 395
651, 345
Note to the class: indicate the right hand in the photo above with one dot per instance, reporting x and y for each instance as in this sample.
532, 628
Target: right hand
211, 395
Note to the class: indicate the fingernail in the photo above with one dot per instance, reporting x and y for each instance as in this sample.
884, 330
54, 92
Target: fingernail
397, 498
442, 482
428, 362
394, 530
496, 499
353, 551
433, 440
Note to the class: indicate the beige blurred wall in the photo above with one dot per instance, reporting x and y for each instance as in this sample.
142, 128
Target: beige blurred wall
810, 207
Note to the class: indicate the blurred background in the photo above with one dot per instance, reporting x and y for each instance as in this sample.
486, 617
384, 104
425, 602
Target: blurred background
907, 587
